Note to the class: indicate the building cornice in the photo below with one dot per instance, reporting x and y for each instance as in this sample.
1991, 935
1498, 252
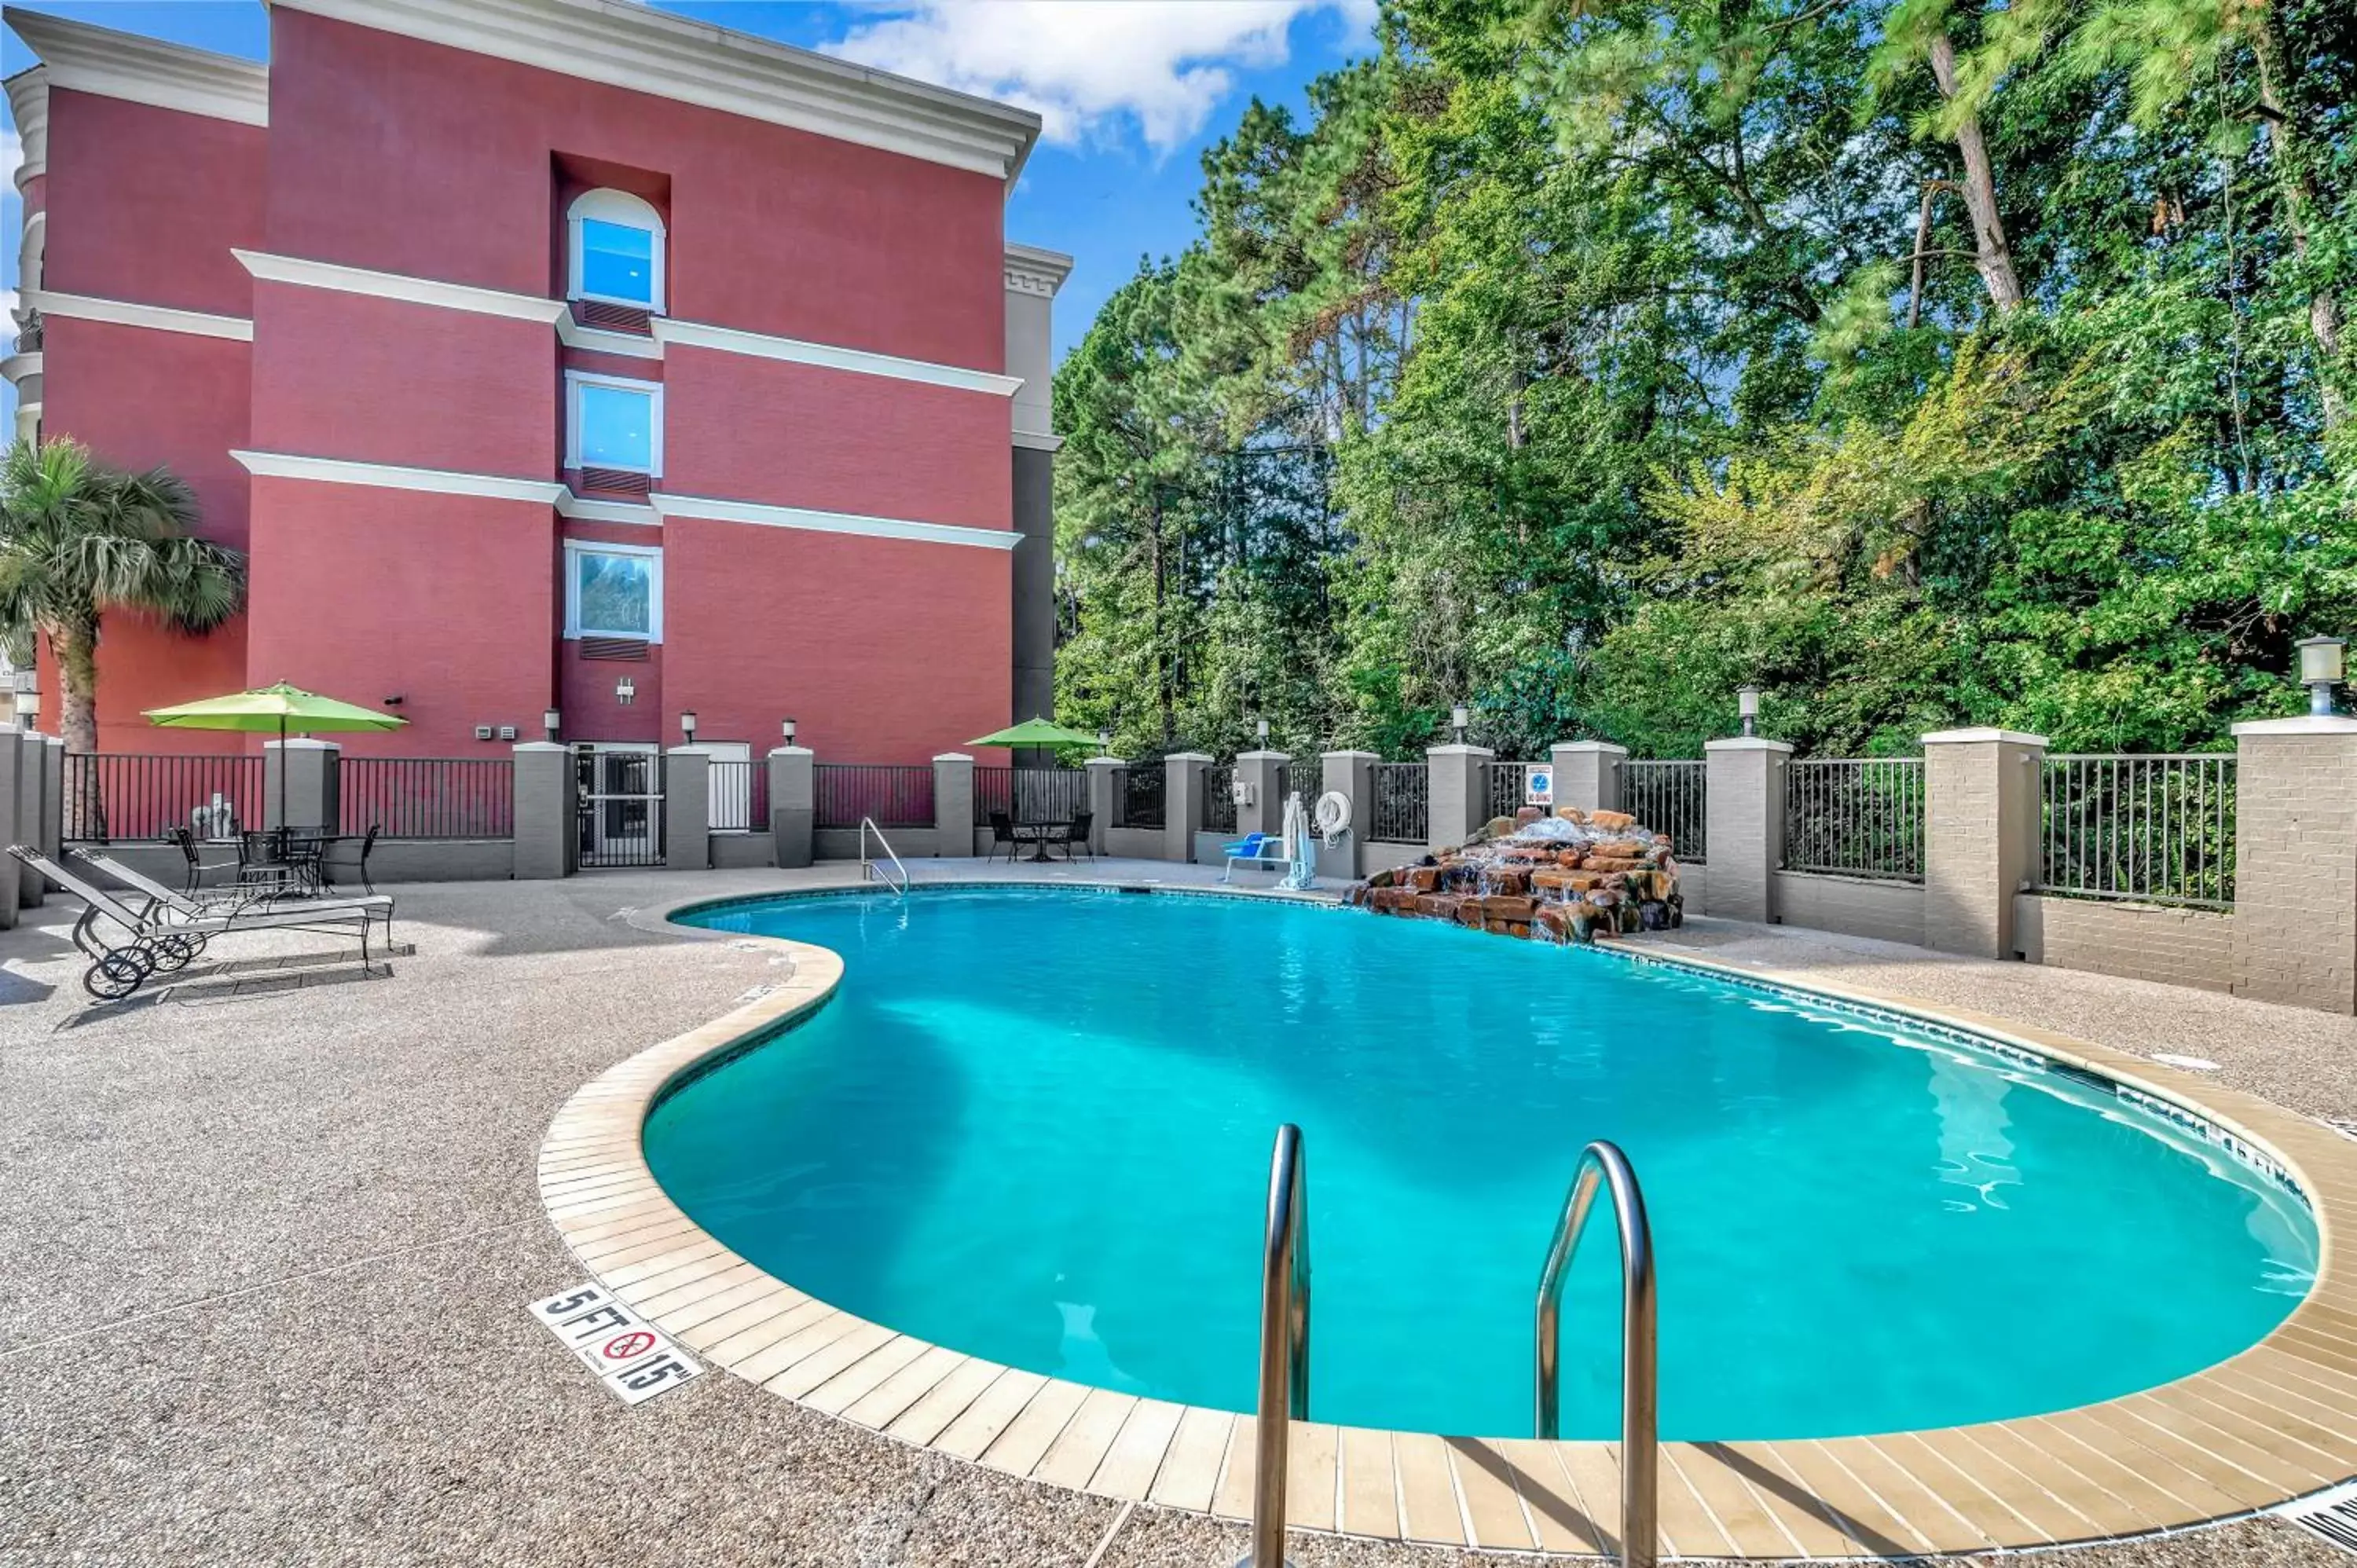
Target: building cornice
307, 274
146, 70
1030, 270
660, 505
130, 313
713, 509
17, 366
729, 340
1038, 441
393, 476
29, 101
645, 50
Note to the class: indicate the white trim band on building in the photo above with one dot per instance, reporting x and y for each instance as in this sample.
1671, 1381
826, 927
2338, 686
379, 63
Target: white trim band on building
306, 274
713, 509
87, 58
550, 492
757, 345
130, 313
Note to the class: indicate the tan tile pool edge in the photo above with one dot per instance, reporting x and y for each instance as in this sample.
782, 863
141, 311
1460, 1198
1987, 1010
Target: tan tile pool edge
2273, 1423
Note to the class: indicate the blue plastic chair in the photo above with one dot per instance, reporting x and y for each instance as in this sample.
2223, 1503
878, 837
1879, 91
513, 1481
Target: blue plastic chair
1254, 848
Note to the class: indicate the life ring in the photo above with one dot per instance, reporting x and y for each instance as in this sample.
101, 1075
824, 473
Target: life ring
1334, 816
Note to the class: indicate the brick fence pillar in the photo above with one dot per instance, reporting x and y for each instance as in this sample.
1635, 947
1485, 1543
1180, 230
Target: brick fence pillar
1182, 803
1258, 770
1745, 816
1457, 796
1587, 774
32, 765
12, 886
953, 804
687, 809
306, 771
1980, 836
793, 804
2296, 861
1351, 775
547, 810
53, 796
1105, 796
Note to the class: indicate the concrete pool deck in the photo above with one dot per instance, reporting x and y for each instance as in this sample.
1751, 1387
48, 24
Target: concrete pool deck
266, 1242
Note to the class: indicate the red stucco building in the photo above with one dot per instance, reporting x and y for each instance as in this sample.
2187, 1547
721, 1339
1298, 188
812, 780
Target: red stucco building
542, 351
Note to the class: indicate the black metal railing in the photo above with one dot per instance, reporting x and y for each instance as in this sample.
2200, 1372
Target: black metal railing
1671, 798
426, 797
1030, 794
894, 794
738, 793
1856, 817
2149, 829
1219, 800
1402, 803
127, 796
1138, 797
1508, 782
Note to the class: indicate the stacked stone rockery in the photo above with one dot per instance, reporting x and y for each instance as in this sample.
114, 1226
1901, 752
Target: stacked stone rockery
1574, 876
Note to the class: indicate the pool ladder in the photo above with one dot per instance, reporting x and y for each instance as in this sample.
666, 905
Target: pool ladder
870, 870
1285, 1341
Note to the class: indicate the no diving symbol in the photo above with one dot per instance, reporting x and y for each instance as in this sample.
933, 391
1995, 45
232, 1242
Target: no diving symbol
623, 1347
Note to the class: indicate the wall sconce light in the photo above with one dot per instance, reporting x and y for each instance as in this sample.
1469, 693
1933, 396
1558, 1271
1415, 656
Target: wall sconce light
687, 724
786, 728
29, 703
1747, 707
2320, 670
548, 718
626, 691
1460, 716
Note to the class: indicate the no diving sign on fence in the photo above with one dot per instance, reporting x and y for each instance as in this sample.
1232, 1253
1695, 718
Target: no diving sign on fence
629, 1357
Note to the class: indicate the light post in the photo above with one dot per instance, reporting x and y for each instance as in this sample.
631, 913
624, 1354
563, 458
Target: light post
1261, 729
687, 725
548, 720
786, 728
1747, 707
2320, 670
1461, 717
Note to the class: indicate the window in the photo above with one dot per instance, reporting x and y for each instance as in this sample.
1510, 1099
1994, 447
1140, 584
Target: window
613, 590
612, 422
616, 241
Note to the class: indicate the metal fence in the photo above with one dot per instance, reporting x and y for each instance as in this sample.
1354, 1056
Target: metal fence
1030, 794
738, 790
426, 797
1307, 774
1671, 798
2158, 829
124, 797
1507, 781
1219, 800
1856, 817
896, 796
1138, 797
1402, 803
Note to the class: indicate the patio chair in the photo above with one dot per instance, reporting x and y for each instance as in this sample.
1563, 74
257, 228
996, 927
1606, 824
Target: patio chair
167, 940
1074, 834
198, 865
1002, 831
359, 865
1255, 849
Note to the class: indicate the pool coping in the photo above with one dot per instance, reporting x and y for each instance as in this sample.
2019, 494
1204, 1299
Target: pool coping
2275, 1422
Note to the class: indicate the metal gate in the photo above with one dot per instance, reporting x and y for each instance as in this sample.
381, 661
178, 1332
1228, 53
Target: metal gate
620, 816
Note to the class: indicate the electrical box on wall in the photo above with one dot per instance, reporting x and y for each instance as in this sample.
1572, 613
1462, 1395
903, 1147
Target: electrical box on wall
507, 732
1241, 793
482, 732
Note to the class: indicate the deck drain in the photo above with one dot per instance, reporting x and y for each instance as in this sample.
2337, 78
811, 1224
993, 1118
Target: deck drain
2331, 1514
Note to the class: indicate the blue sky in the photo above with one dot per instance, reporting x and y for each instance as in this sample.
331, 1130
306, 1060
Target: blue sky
1132, 92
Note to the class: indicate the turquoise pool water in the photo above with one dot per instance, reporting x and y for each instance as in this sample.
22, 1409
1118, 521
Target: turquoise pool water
1034, 1125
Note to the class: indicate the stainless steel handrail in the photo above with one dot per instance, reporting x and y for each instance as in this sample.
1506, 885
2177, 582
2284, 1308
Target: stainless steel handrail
868, 868
1640, 1391
1284, 1343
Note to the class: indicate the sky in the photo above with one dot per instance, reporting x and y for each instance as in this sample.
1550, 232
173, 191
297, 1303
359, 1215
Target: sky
1131, 92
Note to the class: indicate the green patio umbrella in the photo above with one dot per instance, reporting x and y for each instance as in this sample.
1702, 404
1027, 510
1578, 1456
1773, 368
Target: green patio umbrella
1035, 732
289, 710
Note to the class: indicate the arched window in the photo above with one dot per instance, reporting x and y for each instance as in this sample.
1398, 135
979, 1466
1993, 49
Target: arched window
615, 242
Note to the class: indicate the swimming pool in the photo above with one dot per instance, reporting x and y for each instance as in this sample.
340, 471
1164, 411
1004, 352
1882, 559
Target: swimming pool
1033, 1126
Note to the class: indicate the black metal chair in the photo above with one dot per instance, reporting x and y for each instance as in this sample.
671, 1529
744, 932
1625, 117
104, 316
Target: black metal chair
359, 866
1074, 835
1002, 831
198, 865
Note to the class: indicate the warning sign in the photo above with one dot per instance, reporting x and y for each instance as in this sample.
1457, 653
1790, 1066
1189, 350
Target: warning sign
631, 1358
1538, 786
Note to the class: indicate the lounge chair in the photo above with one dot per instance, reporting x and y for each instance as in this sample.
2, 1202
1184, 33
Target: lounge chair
166, 940
222, 901
1255, 849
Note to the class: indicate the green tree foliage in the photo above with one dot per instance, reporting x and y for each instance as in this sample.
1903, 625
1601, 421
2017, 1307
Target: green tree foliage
79, 540
1924, 362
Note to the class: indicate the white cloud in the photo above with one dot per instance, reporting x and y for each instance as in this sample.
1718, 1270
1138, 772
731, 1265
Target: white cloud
12, 156
1090, 68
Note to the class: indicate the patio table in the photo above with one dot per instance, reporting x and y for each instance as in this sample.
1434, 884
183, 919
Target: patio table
1038, 834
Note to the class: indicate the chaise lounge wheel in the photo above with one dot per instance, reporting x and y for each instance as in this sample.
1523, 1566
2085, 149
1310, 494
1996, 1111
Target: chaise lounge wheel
112, 977
173, 952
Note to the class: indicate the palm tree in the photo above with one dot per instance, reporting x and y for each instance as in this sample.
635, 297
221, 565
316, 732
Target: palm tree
78, 539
